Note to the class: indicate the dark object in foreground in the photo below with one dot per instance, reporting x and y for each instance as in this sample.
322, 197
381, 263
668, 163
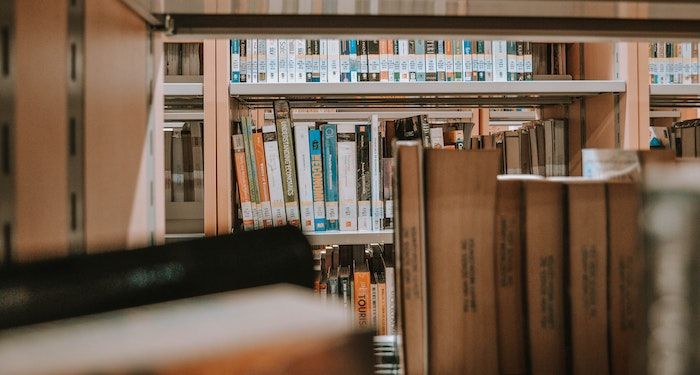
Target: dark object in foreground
88, 284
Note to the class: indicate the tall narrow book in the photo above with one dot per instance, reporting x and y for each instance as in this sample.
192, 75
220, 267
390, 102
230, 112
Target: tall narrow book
460, 212
286, 150
262, 179
364, 178
330, 175
274, 176
377, 203
242, 181
316, 151
303, 163
361, 288
347, 178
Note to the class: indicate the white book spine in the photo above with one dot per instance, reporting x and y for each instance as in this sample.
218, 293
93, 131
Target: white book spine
383, 61
440, 58
347, 176
282, 52
467, 60
390, 301
376, 184
412, 62
436, 138
253, 60
449, 62
262, 62
420, 60
291, 61
323, 59
301, 60
235, 59
274, 175
488, 60
396, 59
500, 61
303, 155
403, 60
333, 60
272, 70
686, 50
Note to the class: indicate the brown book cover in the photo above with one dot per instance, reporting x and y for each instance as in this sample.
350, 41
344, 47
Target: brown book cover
587, 281
688, 139
626, 267
460, 213
410, 255
525, 161
261, 174
509, 287
544, 276
511, 153
242, 181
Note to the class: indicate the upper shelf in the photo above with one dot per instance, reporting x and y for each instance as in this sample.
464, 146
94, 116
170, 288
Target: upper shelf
422, 94
675, 95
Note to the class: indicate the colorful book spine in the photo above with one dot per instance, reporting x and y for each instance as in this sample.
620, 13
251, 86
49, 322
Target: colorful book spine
274, 174
309, 61
316, 151
396, 57
391, 68
243, 47
316, 60
235, 61
262, 179
363, 61
354, 62
467, 60
242, 181
430, 61
480, 61
458, 58
330, 175
347, 179
420, 60
373, 60
449, 61
512, 60
377, 203
344, 61
247, 127
520, 60
286, 148
303, 154
383, 60
364, 178
440, 59
412, 60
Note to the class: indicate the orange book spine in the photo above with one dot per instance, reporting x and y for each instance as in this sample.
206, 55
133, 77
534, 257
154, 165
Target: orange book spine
381, 309
242, 181
261, 169
363, 300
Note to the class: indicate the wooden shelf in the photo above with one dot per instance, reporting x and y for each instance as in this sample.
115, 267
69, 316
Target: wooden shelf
350, 237
675, 95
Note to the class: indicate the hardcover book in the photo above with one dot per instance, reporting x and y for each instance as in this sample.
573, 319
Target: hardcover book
347, 178
274, 176
319, 204
330, 180
303, 163
287, 164
364, 177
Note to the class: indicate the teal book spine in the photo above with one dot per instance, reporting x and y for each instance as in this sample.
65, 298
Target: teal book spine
330, 174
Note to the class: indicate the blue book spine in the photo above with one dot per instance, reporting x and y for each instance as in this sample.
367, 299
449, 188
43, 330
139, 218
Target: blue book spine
316, 151
235, 61
330, 171
354, 61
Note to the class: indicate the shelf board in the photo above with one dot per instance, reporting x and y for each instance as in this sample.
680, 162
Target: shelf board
674, 95
183, 89
184, 115
350, 237
367, 115
423, 94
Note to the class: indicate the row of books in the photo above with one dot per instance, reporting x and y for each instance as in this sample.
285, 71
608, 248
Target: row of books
184, 163
318, 178
184, 59
362, 279
673, 62
685, 138
508, 274
333, 60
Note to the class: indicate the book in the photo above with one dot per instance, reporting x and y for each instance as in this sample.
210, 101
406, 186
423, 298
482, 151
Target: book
467, 60
373, 61
512, 60
403, 61
488, 61
396, 57
262, 179
178, 174
525, 158
354, 61
347, 178
282, 60
303, 163
440, 60
420, 60
247, 131
458, 60
330, 177
520, 60
197, 161
527, 61
436, 138
412, 60
253, 60
362, 57
587, 279
235, 61
431, 61
323, 60
361, 289
316, 60
375, 173
288, 169
242, 181
379, 305
460, 212
244, 64
319, 202
167, 165
387, 190
344, 61
500, 61
291, 60
511, 152
411, 256
384, 60
390, 276
300, 57
449, 61
509, 277
309, 61
334, 70
544, 276
187, 166
262, 60
274, 176
272, 60
364, 177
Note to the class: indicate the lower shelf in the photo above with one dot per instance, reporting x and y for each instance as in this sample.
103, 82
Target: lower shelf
350, 237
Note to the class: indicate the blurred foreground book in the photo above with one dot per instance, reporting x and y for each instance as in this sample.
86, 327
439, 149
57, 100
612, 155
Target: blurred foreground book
268, 330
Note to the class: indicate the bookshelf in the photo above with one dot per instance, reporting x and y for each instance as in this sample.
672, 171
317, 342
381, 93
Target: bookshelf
674, 95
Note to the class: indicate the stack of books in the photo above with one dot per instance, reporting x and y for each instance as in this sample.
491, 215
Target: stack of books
685, 138
508, 274
404, 60
673, 62
184, 59
184, 163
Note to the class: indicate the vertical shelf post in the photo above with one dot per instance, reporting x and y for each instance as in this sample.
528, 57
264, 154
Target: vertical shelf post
210, 138
224, 205
7, 129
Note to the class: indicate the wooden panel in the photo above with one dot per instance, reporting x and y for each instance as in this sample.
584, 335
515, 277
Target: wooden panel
116, 142
157, 110
41, 153
223, 138
629, 101
599, 63
210, 139
643, 121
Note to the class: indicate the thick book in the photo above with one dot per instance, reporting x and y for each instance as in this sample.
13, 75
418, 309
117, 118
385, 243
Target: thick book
319, 202
376, 175
467, 61
272, 60
303, 163
458, 59
544, 276
403, 61
274, 176
362, 288
178, 168
364, 177
344, 61
333, 60
440, 60
587, 279
167, 165
626, 275
354, 61
262, 60
520, 60
460, 213
512, 60
330, 175
378, 270
500, 61
390, 276
242, 181
412, 60
286, 149
410, 256
262, 179
488, 60
528, 67
396, 57
247, 129
480, 61
384, 54
511, 152
316, 60
509, 277
449, 61
347, 177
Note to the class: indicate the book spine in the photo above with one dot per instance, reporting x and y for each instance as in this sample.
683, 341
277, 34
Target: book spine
309, 61
253, 60
354, 62
168, 148
333, 60
480, 62
344, 61
242, 181
467, 61
377, 203
440, 59
449, 61
235, 61
244, 70
363, 300
197, 161
653, 71
250, 166
412, 60
364, 178
430, 61
488, 60
420, 60
282, 61
363, 60
403, 61
291, 60
500, 61
391, 325
527, 61
458, 60
373, 60
390, 60
380, 306
396, 54
383, 61
316, 61
262, 60
274, 173
374, 293
323, 59
424, 129
512, 61
300, 58
262, 180
330, 170
347, 181
286, 149
303, 162
694, 62
520, 60
178, 169
316, 150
